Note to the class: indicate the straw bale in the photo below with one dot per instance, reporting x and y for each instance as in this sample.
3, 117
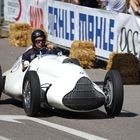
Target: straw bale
82, 44
126, 64
84, 51
20, 34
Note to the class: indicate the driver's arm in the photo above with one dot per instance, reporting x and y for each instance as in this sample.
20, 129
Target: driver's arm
26, 59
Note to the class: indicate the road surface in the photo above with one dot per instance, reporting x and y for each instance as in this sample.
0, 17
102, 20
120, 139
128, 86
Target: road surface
56, 125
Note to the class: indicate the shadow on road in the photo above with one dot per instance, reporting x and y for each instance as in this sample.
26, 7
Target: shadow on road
97, 114
11, 101
47, 112
126, 113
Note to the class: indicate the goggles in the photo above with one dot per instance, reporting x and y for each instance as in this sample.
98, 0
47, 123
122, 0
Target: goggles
39, 41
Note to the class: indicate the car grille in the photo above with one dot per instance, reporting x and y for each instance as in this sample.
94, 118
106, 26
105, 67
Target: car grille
83, 96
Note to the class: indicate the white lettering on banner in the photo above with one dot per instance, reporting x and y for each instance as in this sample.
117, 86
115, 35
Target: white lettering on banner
62, 24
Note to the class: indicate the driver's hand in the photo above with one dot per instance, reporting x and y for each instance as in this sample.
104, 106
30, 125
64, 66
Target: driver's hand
50, 46
25, 64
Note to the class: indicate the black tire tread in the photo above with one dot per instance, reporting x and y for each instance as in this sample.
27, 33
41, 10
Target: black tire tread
35, 93
118, 93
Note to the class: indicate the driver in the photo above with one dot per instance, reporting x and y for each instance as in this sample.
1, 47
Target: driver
39, 46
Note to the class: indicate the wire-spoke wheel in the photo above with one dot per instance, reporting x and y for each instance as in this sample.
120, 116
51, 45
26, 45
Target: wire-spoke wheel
31, 93
113, 89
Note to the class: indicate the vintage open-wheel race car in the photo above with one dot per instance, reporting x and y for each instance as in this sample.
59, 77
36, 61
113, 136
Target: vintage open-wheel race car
59, 82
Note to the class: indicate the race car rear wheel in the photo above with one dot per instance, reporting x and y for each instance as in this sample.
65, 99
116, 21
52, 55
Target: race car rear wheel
113, 89
31, 93
1, 82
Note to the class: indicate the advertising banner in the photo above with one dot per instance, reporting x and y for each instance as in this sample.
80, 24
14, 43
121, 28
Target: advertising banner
65, 22
68, 22
36, 13
128, 38
15, 10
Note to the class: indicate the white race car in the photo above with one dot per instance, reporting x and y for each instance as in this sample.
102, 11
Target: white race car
59, 82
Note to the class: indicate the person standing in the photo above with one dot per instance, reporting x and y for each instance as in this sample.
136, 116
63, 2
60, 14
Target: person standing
87, 3
115, 5
134, 7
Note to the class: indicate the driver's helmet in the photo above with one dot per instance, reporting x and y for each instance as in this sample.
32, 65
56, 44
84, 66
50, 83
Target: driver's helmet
38, 34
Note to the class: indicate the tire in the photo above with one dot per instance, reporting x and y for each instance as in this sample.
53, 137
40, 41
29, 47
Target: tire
1, 82
113, 89
31, 93
72, 60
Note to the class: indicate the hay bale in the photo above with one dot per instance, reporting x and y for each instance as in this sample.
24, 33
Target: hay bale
20, 34
84, 51
127, 65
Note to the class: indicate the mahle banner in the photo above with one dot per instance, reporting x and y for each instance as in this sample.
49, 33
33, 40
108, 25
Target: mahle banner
64, 22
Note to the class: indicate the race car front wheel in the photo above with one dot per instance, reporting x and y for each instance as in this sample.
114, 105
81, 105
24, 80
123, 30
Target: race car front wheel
113, 89
31, 93
1, 82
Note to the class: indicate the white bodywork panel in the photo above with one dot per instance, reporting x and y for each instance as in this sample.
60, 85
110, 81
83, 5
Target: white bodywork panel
51, 71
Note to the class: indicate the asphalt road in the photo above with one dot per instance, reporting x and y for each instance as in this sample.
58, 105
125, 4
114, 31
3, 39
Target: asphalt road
56, 125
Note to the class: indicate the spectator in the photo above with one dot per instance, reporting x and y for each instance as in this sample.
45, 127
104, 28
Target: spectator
134, 7
115, 5
88, 3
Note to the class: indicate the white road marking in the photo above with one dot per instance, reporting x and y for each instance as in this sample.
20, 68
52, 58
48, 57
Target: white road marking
3, 138
13, 118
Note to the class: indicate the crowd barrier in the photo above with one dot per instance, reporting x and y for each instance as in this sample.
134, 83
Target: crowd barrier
64, 22
110, 32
